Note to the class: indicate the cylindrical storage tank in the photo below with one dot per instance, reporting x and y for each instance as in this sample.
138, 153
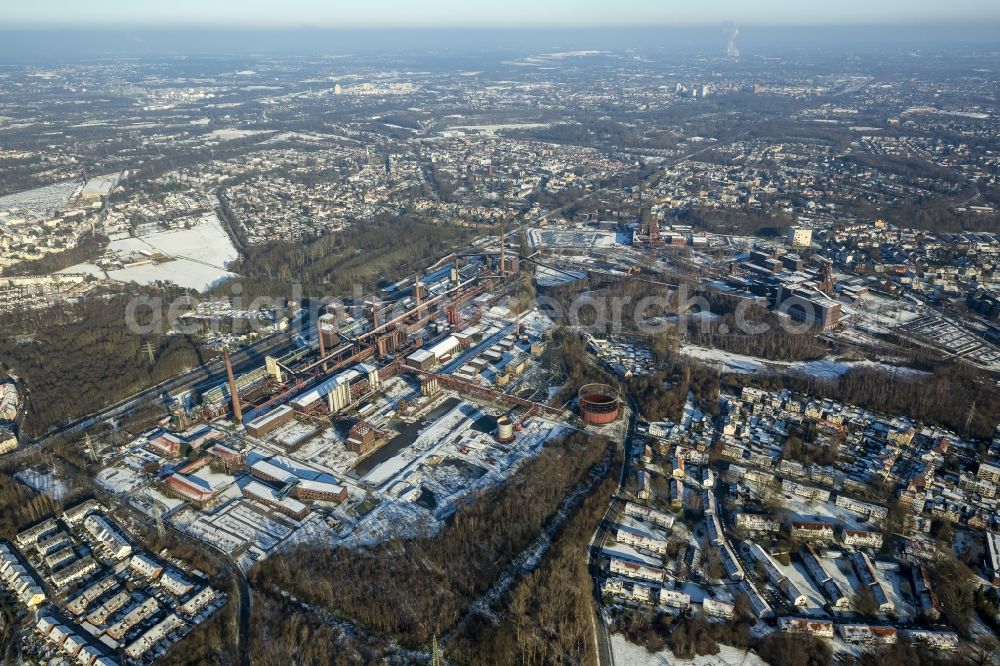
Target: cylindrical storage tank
599, 404
505, 429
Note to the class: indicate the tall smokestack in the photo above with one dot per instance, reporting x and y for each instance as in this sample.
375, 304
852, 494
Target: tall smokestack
501, 250
322, 345
416, 291
233, 393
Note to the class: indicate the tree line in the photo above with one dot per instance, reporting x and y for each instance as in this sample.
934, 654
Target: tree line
77, 359
953, 395
546, 618
410, 589
365, 253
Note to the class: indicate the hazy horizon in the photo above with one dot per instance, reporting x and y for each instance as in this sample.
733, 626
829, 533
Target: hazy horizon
512, 14
57, 44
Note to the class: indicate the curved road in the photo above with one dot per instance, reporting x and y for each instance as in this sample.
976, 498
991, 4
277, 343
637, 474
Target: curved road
241, 584
605, 655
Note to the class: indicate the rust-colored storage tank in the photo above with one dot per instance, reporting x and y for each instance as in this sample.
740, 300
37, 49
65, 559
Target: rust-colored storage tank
599, 404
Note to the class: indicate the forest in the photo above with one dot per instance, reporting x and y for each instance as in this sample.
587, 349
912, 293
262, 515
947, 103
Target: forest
77, 359
282, 633
726, 332
547, 616
687, 637
410, 589
953, 395
364, 254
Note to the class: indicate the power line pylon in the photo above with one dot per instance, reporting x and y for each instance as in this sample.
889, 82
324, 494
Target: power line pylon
90, 446
437, 657
160, 530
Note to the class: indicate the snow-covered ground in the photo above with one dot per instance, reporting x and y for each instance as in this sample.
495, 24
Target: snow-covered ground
800, 508
197, 257
120, 479
182, 272
825, 368
796, 572
576, 238
628, 654
230, 133
44, 482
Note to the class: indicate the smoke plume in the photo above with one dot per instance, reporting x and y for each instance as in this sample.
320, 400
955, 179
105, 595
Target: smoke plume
731, 50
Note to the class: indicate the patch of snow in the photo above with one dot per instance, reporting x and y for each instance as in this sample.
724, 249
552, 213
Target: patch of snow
629, 654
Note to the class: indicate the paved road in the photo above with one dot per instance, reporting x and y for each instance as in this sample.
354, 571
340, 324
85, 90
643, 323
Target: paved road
605, 655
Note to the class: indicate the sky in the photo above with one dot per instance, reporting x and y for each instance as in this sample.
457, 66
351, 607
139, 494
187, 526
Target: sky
44, 14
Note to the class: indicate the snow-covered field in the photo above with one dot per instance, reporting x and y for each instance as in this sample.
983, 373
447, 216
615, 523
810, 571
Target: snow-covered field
44, 482
198, 256
182, 272
576, 238
628, 654
120, 479
230, 133
824, 368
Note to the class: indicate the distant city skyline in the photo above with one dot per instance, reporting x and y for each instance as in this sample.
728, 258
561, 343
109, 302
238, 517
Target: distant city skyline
511, 14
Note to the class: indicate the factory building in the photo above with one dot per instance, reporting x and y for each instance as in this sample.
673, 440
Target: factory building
269, 496
262, 425
361, 438
421, 359
340, 390
297, 479
808, 305
190, 488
